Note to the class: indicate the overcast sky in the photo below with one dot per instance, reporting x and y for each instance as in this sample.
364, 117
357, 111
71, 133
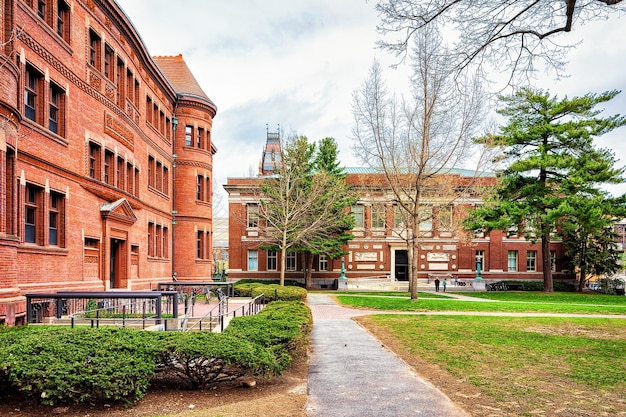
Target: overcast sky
297, 62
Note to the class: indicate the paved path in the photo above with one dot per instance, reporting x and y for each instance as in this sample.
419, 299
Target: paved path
352, 374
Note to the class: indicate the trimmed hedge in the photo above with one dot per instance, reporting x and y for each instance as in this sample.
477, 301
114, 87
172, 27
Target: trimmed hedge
538, 285
272, 291
64, 365
57, 365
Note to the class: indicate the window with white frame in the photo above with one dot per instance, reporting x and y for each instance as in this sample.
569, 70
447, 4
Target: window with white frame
323, 262
291, 261
378, 216
359, 217
480, 257
253, 260
553, 261
426, 218
272, 260
398, 220
252, 215
531, 260
512, 260
444, 218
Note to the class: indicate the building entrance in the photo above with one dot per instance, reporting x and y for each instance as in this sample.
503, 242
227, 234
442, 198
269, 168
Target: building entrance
401, 267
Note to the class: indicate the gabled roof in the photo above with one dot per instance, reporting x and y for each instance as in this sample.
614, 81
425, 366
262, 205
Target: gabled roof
178, 74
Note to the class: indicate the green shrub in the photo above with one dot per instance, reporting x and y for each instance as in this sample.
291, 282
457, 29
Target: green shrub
275, 292
202, 358
282, 326
56, 365
65, 365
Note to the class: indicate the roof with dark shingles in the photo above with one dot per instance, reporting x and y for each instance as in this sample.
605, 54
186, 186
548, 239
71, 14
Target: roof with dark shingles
178, 74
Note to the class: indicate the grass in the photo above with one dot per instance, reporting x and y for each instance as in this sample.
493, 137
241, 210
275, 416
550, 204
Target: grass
507, 302
511, 366
521, 365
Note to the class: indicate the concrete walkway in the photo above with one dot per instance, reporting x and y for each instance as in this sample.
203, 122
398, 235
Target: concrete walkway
352, 374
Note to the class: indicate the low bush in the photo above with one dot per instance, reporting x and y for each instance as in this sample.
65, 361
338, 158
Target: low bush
270, 289
56, 365
282, 327
65, 365
202, 358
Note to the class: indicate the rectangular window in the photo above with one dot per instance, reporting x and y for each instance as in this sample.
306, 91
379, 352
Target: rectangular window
425, 218
95, 58
63, 20
108, 167
151, 168
166, 180
32, 92
398, 221
253, 215
94, 161
159, 176
291, 261
199, 138
41, 9
272, 260
148, 109
151, 234
129, 178
512, 260
358, 214
56, 110
53, 219
253, 260
378, 216
553, 260
109, 63
480, 258
120, 173
531, 260
200, 188
31, 213
121, 93
188, 135
323, 263
444, 218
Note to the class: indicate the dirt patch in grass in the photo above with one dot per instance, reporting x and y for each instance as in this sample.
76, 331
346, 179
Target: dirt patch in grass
281, 397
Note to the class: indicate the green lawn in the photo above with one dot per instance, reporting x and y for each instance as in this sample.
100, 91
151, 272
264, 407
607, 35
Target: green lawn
507, 302
520, 365
510, 366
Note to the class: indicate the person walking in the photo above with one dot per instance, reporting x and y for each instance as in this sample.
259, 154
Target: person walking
456, 281
436, 284
444, 283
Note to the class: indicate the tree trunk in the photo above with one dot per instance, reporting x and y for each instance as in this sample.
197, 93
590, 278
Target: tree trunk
308, 280
413, 267
545, 260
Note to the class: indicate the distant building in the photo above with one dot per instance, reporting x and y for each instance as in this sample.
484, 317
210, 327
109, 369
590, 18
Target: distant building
106, 156
378, 249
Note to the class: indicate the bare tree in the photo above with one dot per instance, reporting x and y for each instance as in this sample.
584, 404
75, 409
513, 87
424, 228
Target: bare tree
296, 203
510, 34
417, 143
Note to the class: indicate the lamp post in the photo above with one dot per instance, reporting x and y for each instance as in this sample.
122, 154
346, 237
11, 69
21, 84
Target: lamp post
342, 282
478, 268
343, 270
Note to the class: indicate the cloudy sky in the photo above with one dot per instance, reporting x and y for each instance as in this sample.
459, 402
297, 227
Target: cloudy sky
295, 63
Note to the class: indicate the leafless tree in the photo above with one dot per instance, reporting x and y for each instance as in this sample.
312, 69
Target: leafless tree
418, 142
508, 34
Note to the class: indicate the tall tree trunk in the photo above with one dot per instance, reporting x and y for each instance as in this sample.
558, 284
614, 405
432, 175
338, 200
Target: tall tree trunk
545, 260
413, 267
308, 280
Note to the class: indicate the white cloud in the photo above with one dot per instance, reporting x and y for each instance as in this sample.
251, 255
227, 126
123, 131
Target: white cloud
296, 63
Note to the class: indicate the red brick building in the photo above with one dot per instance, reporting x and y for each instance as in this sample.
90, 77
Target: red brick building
378, 249
105, 156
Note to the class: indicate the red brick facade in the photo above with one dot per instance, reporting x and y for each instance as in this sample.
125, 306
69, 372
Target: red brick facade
378, 249
99, 187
